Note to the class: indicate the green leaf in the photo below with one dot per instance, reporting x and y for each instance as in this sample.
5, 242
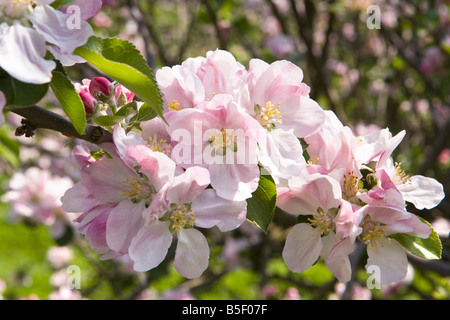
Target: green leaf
70, 100
14, 91
430, 248
59, 3
261, 206
123, 62
122, 113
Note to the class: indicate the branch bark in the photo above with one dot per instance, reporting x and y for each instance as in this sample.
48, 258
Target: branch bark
42, 118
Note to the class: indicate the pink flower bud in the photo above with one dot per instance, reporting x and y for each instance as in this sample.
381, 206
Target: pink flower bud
123, 95
89, 101
100, 85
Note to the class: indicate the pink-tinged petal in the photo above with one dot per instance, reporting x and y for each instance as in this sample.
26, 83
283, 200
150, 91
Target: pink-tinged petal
192, 253
389, 258
187, 186
385, 214
302, 248
149, 247
78, 199
302, 115
283, 154
234, 181
123, 224
22, 52
123, 140
385, 193
156, 166
89, 8
54, 26
104, 178
387, 145
211, 210
345, 221
336, 252
82, 156
304, 198
412, 225
423, 192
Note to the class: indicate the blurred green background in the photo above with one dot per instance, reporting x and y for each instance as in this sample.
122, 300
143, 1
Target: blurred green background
396, 76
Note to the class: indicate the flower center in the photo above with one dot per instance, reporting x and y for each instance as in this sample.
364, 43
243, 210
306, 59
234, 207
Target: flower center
268, 116
136, 190
372, 233
350, 186
223, 140
400, 176
14, 9
174, 105
321, 221
181, 216
159, 146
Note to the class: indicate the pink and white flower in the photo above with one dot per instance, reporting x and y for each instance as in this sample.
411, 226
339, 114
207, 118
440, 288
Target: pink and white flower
330, 225
25, 29
276, 97
183, 203
222, 138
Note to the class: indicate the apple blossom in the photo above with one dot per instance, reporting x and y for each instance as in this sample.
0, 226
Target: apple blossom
222, 138
183, 203
28, 29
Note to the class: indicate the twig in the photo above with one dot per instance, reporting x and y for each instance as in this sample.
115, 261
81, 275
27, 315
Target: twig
38, 117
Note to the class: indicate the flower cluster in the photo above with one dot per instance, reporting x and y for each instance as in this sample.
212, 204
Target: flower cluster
224, 126
350, 189
29, 28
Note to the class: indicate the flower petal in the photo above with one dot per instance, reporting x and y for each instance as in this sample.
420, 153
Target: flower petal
55, 27
390, 258
192, 254
22, 52
210, 210
123, 224
302, 248
149, 247
423, 192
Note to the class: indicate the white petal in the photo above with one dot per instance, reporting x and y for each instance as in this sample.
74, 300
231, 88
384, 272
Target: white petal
123, 224
149, 247
422, 191
22, 52
283, 154
302, 248
209, 210
390, 259
64, 30
192, 254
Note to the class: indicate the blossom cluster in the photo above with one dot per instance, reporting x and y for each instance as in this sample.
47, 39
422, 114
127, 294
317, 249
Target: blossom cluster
196, 167
29, 28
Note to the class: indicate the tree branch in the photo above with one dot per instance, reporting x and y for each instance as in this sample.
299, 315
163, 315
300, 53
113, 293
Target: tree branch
42, 118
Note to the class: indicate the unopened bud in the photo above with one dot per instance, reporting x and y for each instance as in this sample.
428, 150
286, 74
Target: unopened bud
101, 86
89, 101
123, 95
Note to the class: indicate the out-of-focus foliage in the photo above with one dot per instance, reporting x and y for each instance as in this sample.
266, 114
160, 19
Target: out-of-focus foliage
397, 76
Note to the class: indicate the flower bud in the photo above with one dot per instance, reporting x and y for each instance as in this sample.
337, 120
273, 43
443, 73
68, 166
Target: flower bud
101, 86
123, 95
89, 101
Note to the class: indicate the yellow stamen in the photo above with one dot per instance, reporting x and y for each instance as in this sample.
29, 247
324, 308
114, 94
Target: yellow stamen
158, 146
269, 116
321, 221
400, 174
174, 105
131, 188
181, 217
